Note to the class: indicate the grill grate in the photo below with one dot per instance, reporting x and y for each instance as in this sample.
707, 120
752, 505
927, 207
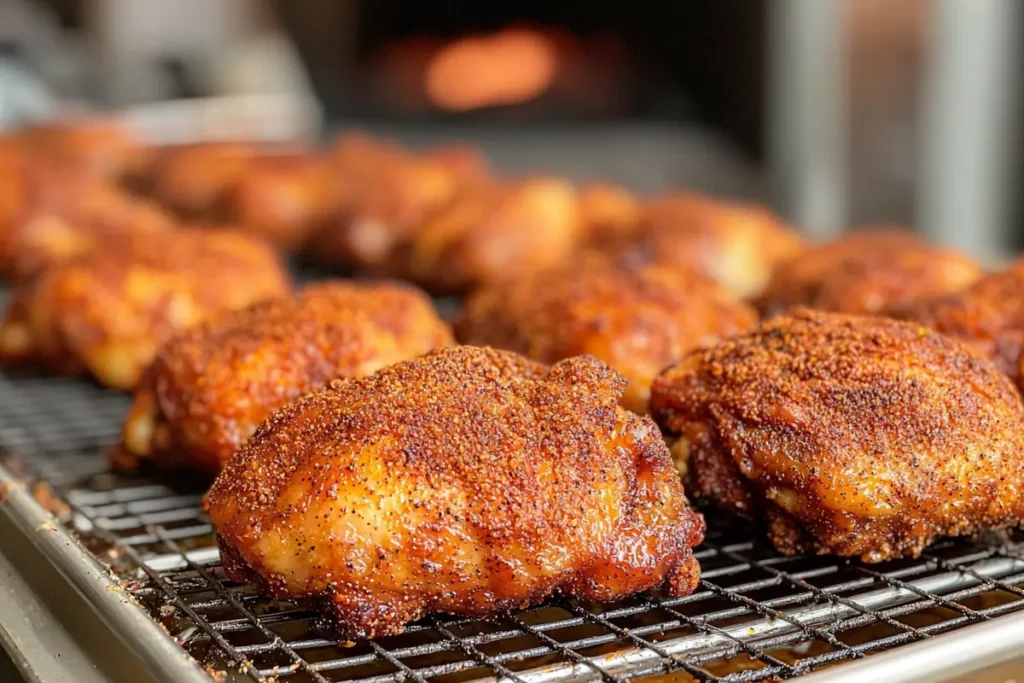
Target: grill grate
756, 616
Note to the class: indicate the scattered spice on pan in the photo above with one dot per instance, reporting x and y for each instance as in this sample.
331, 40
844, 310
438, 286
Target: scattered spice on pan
51, 502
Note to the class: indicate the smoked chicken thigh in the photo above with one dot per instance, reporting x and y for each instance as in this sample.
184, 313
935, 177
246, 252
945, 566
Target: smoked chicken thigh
84, 220
386, 196
108, 311
51, 211
868, 272
988, 316
608, 211
494, 232
469, 481
210, 387
850, 435
283, 198
638, 319
98, 146
196, 180
283, 195
736, 244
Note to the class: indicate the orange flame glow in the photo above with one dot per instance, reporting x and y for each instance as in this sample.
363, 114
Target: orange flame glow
512, 66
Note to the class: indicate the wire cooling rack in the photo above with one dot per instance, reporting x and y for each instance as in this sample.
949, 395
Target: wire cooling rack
756, 615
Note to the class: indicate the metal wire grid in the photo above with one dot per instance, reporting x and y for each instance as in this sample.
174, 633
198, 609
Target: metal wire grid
756, 615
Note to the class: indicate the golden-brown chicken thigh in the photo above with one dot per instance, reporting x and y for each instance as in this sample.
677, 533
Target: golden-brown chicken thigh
11, 204
386, 201
40, 163
354, 160
988, 316
51, 211
21, 189
196, 180
109, 310
100, 146
283, 198
608, 212
30, 187
469, 481
851, 435
281, 195
84, 219
737, 245
494, 232
638, 319
208, 388
867, 272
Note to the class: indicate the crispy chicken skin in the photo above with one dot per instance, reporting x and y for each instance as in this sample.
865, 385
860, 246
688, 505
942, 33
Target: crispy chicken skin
209, 388
63, 214
17, 187
356, 158
494, 232
281, 195
11, 202
386, 200
989, 316
638, 319
49, 239
738, 245
195, 180
283, 198
357, 162
851, 435
868, 272
30, 187
100, 146
608, 212
108, 311
469, 481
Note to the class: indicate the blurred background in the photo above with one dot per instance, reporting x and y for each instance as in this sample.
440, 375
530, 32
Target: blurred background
836, 112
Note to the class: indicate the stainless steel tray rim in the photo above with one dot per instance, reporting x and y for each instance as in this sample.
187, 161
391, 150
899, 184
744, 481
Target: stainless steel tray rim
98, 586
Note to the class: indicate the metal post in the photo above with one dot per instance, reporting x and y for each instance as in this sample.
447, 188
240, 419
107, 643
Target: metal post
969, 124
806, 113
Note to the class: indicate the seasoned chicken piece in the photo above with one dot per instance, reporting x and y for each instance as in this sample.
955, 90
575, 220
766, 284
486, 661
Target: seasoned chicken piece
195, 180
638, 319
283, 198
867, 272
10, 147
108, 311
356, 162
469, 481
354, 152
102, 147
857, 436
380, 223
388, 200
209, 387
30, 186
50, 211
464, 161
608, 212
494, 232
281, 195
988, 316
12, 201
736, 244
84, 218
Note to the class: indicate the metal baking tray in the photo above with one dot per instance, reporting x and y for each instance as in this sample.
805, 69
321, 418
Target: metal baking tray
109, 578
